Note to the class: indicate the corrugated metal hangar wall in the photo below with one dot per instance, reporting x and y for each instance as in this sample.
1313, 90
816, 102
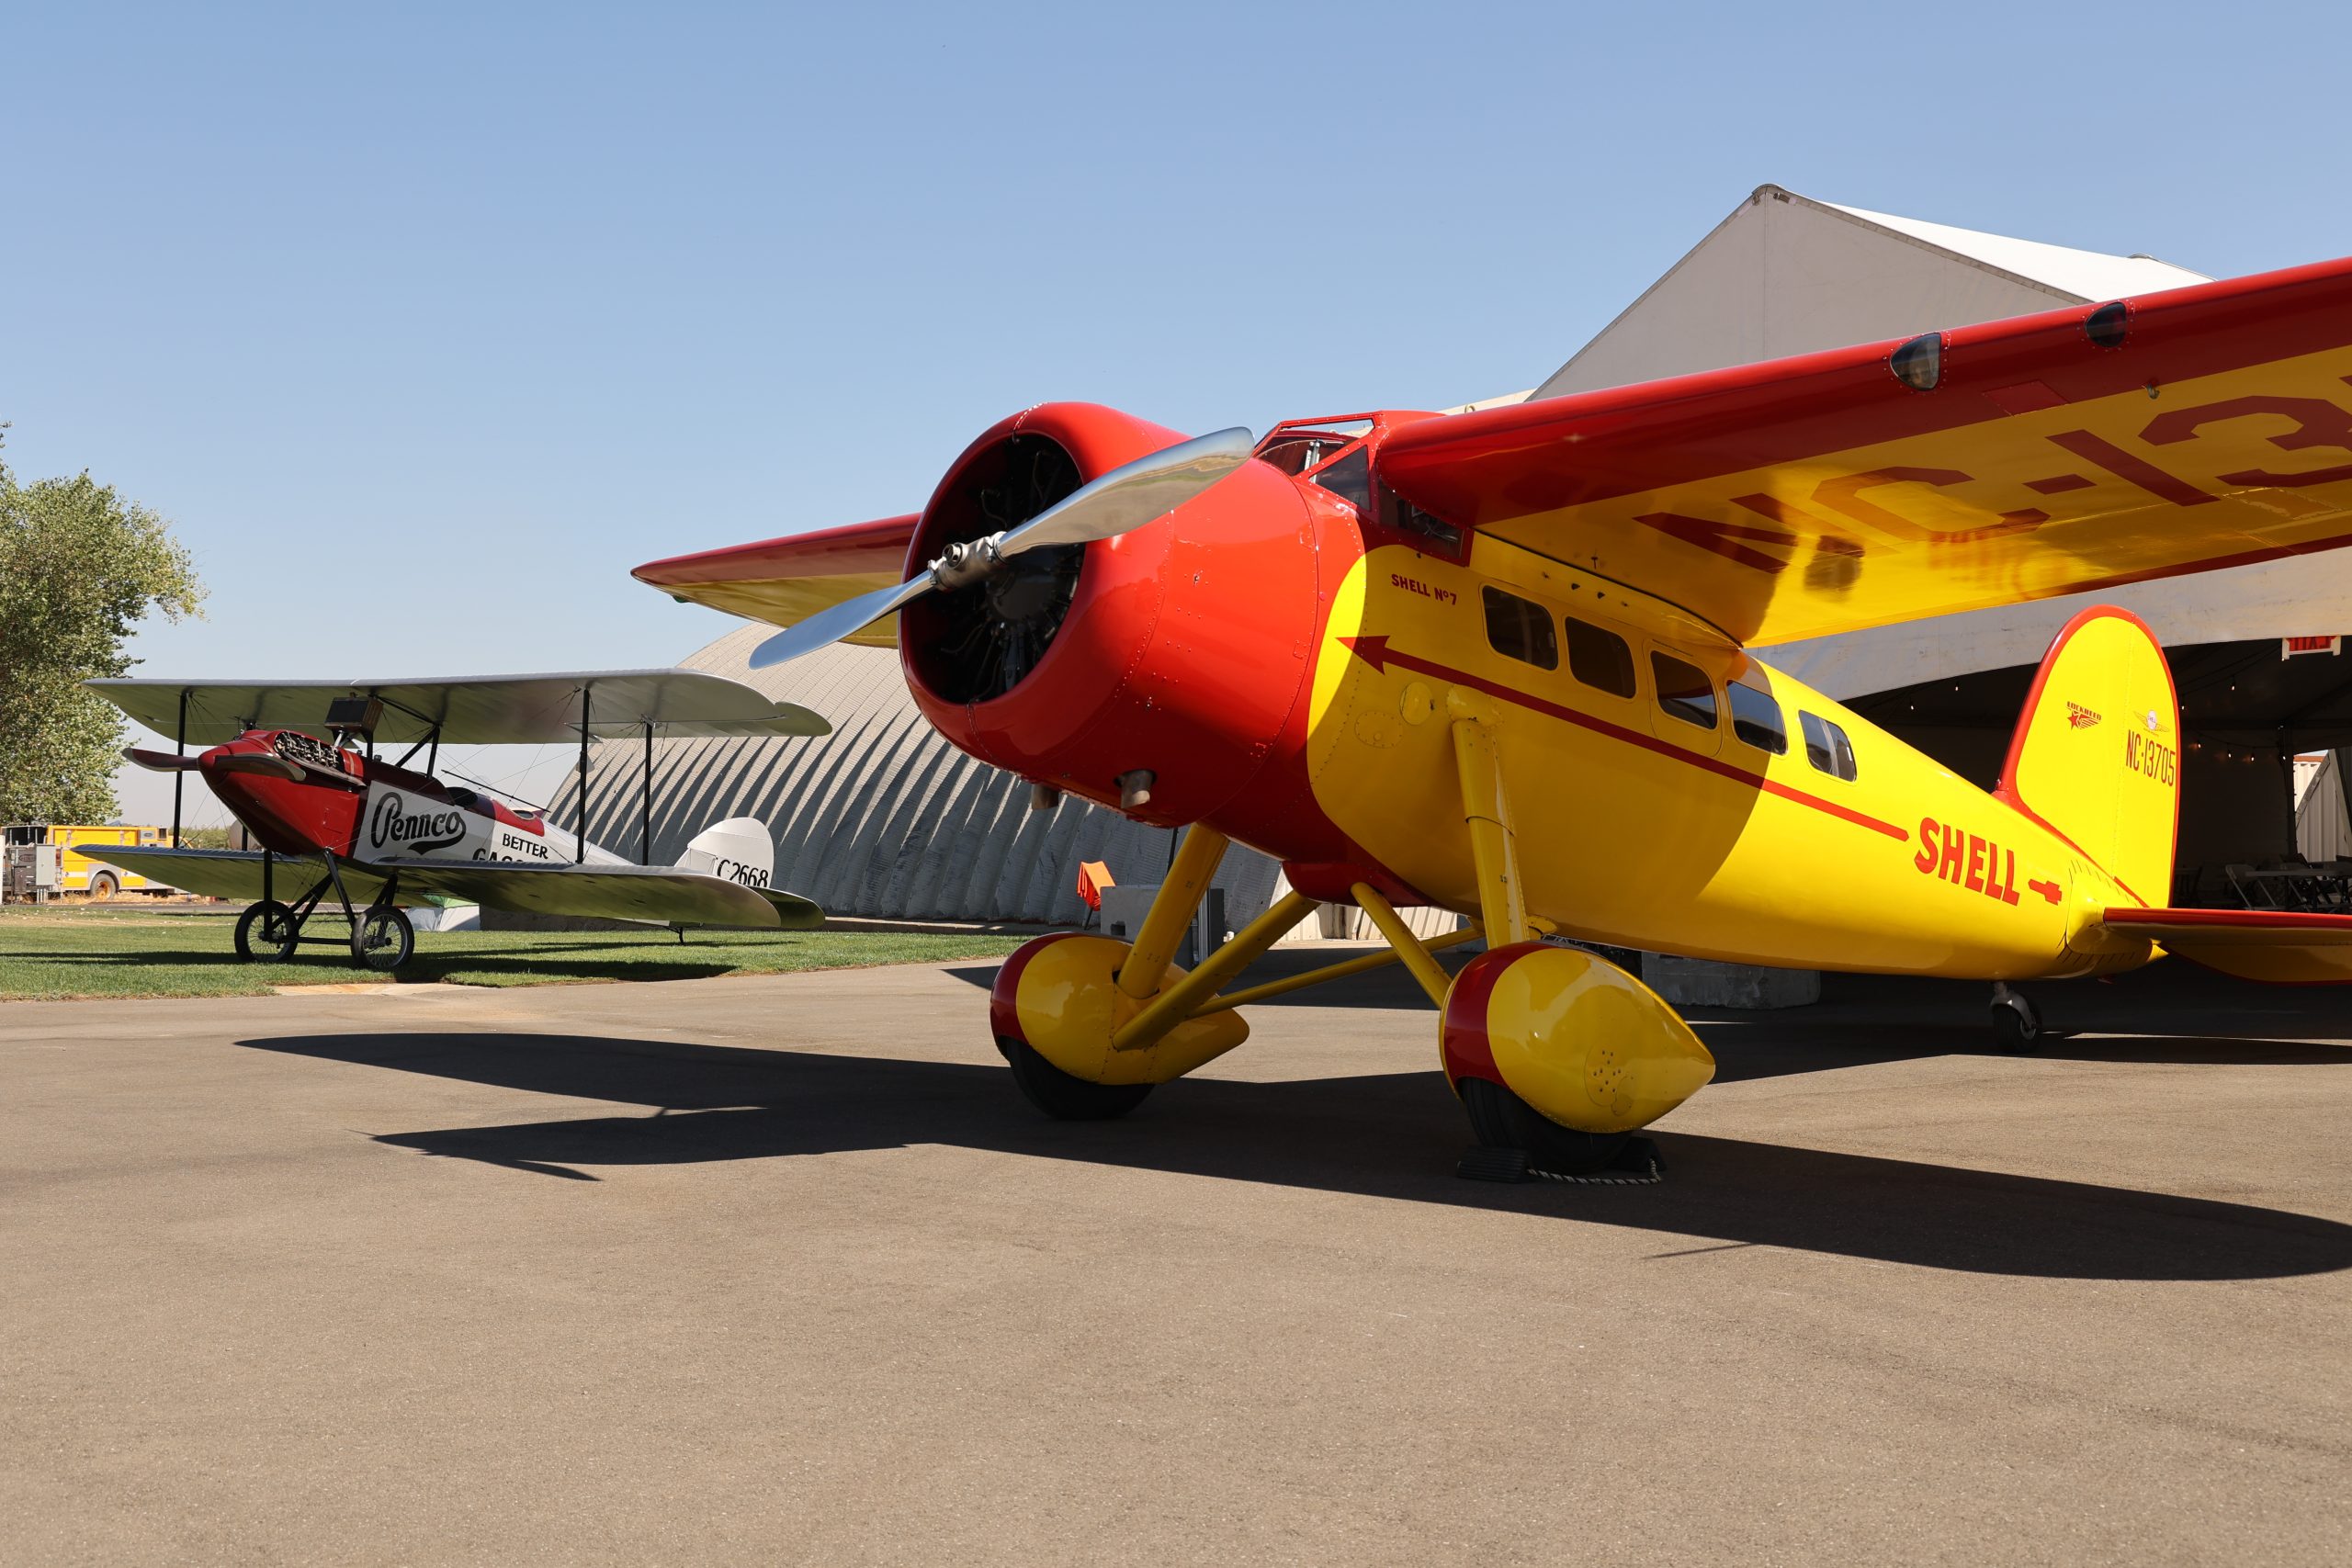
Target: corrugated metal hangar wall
882, 818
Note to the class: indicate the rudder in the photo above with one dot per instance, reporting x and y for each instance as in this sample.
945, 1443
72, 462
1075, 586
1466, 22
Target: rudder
2096, 757
739, 850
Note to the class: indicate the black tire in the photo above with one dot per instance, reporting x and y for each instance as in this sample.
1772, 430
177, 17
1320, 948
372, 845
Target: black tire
267, 931
1062, 1096
103, 887
1503, 1120
2017, 1027
381, 939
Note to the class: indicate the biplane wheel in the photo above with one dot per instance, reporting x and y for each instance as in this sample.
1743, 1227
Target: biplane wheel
382, 940
267, 929
2017, 1023
1062, 1096
1503, 1120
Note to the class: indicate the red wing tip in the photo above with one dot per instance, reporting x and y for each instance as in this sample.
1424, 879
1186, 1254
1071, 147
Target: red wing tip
853, 549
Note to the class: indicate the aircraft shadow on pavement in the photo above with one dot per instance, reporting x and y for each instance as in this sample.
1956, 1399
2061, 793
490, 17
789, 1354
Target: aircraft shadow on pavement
631, 960
2168, 1012
1389, 1136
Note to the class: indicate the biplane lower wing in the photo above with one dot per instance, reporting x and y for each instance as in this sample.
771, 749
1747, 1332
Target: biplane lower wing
658, 894
2078, 450
2274, 945
237, 874
661, 894
783, 581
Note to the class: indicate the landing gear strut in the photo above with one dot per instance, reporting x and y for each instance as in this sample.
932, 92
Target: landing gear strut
381, 937
2016, 1025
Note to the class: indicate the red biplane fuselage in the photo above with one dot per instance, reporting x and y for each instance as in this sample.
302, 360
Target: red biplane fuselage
301, 795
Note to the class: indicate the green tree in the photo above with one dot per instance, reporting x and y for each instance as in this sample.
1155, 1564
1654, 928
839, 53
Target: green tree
79, 567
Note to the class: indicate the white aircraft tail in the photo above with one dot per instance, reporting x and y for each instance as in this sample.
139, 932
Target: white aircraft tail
739, 850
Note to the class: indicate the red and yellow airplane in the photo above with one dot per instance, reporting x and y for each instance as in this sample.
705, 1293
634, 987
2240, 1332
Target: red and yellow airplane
1501, 663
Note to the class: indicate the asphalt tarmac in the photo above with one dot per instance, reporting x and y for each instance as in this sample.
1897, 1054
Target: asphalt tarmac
781, 1271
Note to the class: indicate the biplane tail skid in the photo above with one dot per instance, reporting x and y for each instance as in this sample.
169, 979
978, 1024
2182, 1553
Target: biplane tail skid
2096, 757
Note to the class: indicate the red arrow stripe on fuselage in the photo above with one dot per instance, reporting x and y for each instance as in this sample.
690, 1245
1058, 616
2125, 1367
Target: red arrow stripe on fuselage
1381, 655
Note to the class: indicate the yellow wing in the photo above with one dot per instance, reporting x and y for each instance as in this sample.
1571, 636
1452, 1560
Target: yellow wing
787, 580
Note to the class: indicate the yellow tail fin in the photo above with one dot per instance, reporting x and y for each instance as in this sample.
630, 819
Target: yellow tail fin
2096, 755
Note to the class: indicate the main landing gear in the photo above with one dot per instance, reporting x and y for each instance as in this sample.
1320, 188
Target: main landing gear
382, 936
1558, 1056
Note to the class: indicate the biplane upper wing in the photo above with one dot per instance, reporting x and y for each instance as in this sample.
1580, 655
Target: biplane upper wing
484, 710
665, 895
2072, 450
785, 581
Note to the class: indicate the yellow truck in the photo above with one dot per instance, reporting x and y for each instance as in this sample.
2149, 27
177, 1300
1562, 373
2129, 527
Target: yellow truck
83, 875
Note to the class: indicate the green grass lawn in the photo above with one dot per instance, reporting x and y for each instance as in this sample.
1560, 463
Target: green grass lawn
60, 954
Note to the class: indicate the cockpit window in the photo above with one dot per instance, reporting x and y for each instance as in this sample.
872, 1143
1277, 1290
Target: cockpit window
1350, 479
1295, 454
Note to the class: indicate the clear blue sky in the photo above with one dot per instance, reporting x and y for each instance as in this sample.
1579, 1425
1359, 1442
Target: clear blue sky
423, 324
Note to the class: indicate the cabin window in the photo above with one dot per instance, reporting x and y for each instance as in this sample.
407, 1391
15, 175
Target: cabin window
1755, 718
1521, 629
1684, 691
1600, 659
1827, 748
1350, 479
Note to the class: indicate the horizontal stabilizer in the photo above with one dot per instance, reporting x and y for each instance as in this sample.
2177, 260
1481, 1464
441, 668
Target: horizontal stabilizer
2277, 946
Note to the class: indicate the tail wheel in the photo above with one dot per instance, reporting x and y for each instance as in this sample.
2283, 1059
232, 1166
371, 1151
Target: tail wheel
382, 940
1503, 1120
2016, 1025
1062, 1096
104, 887
267, 931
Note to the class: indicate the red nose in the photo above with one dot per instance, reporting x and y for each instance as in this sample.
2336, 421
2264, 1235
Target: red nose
290, 809
1174, 657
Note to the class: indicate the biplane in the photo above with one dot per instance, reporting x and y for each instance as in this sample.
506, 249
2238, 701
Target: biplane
374, 834
1506, 662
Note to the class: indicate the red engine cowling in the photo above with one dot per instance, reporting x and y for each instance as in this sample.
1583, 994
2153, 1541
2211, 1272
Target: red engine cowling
1182, 648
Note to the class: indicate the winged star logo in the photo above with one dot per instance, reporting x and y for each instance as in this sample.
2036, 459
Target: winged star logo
2080, 717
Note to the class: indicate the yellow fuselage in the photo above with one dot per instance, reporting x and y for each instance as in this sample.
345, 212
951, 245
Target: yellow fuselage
1635, 828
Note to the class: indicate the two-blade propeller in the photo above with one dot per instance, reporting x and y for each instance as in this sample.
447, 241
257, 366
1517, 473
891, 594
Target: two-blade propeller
1119, 501
261, 763
159, 762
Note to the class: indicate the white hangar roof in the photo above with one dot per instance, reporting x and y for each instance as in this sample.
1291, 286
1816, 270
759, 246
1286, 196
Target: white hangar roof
1785, 274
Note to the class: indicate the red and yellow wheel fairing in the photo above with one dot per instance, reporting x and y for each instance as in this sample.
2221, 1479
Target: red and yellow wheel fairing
1060, 996
1575, 1037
